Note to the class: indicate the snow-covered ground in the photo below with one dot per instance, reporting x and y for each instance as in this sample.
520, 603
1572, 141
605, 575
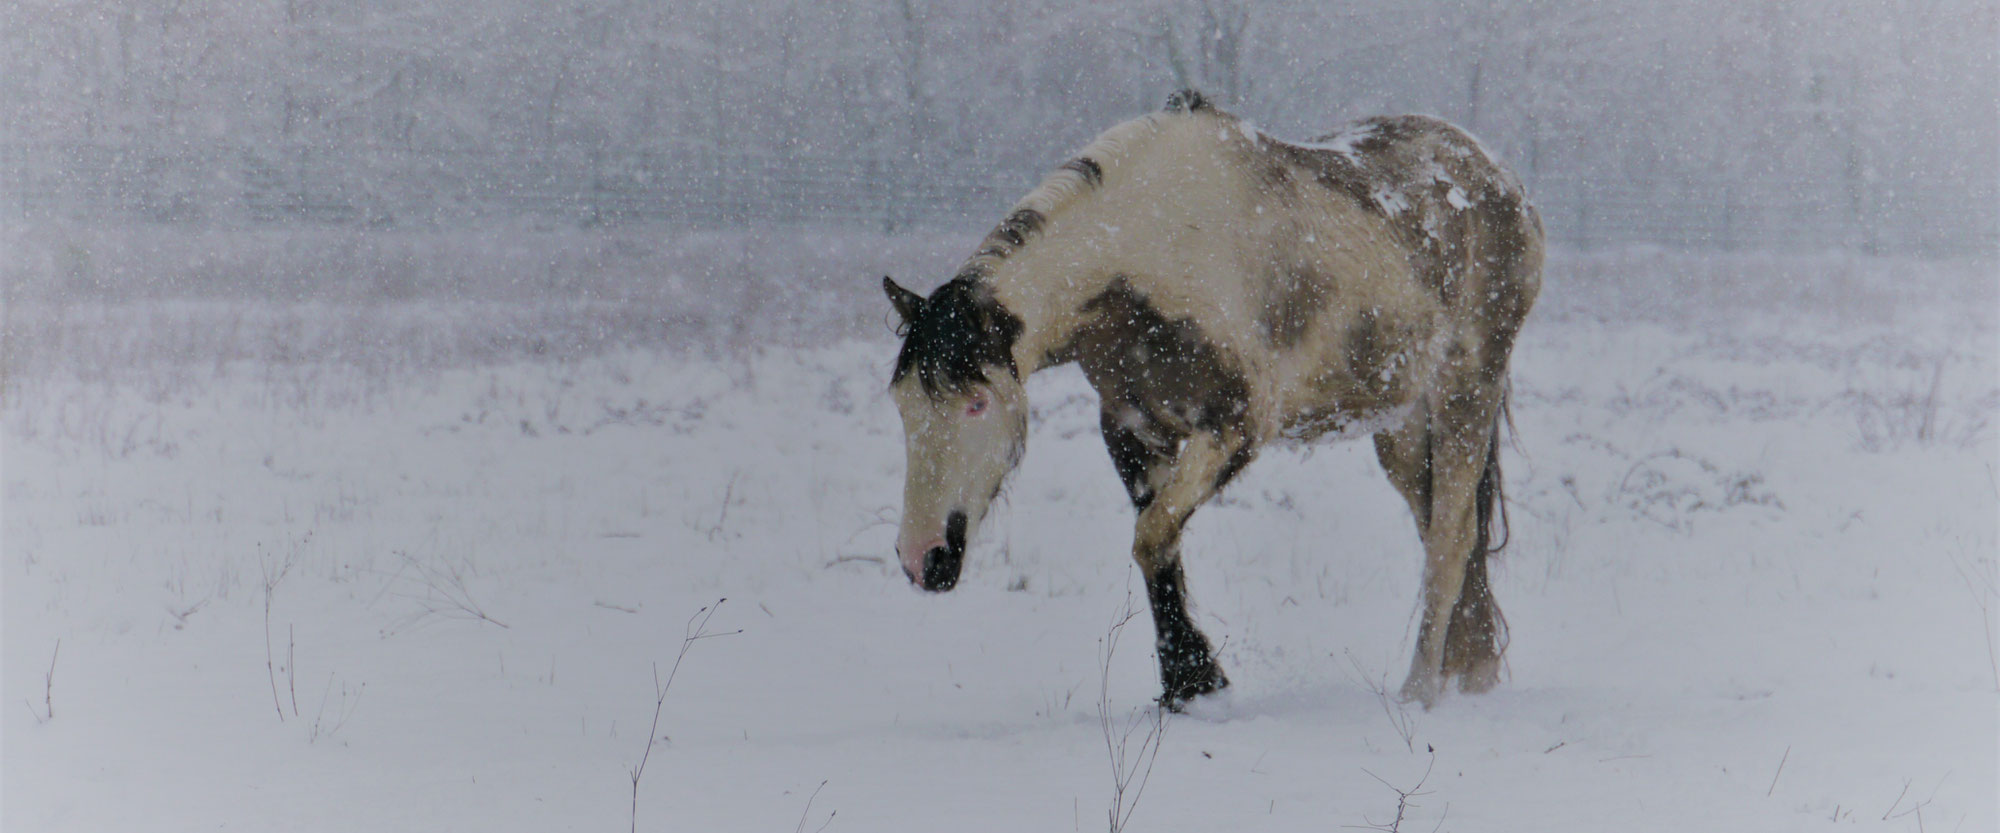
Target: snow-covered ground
254, 582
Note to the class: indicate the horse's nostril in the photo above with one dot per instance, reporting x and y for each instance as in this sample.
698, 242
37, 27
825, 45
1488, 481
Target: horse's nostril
941, 566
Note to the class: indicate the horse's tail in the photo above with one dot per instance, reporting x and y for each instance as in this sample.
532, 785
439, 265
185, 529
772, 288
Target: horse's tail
1491, 500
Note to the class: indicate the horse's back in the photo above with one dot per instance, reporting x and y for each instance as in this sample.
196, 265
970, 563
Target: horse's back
1464, 217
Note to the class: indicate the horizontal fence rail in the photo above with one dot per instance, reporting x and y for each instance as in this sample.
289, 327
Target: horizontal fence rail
229, 185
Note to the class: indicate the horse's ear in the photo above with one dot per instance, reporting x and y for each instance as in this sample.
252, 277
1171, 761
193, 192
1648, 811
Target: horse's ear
1188, 100
906, 302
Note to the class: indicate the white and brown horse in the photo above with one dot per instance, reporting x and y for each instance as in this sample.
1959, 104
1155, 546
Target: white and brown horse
1224, 290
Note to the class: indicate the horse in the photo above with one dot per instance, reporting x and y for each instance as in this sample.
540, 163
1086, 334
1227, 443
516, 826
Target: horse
1224, 290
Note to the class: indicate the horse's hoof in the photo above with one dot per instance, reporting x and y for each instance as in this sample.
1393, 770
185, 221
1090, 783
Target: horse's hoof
1481, 677
1208, 681
1422, 687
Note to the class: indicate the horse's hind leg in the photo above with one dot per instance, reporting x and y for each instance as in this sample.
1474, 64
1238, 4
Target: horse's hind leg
1477, 636
1441, 465
1166, 492
1405, 454
1462, 633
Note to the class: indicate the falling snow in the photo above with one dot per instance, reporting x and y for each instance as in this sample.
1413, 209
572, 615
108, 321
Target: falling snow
384, 386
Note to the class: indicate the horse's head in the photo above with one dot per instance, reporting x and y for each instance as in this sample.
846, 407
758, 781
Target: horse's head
965, 420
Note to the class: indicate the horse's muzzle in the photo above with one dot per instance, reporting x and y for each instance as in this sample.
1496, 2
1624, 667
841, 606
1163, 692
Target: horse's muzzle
942, 564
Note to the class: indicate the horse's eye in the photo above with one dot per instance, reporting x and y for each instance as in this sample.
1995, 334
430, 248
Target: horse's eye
976, 407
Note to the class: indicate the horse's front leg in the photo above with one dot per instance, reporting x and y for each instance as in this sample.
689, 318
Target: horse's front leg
1204, 463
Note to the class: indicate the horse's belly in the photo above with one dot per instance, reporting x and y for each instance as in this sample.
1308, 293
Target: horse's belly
1337, 423
1364, 376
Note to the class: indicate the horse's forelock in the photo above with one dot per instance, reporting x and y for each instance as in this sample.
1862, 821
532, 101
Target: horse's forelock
959, 332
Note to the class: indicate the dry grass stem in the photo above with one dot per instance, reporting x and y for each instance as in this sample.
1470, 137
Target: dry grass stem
48, 711
273, 575
1126, 761
1403, 804
1400, 718
801, 826
697, 630
444, 594
1781, 770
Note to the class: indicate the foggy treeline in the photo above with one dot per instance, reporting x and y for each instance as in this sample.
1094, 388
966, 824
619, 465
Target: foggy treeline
1847, 124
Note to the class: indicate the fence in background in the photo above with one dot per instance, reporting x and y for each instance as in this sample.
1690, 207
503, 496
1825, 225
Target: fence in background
398, 188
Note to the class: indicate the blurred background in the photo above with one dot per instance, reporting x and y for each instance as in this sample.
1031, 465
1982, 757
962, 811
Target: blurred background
719, 162
1866, 126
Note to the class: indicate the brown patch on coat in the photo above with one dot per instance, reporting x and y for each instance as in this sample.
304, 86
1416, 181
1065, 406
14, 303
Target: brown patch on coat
1383, 132
1162, 377
1432, 264
1508, 238
1327, 169
1367, 349
1294, 297
1273, 174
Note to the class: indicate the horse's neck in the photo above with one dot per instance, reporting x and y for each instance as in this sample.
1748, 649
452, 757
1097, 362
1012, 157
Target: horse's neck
1046, 286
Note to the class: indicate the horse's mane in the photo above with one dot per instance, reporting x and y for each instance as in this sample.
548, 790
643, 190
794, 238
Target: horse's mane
1086, 172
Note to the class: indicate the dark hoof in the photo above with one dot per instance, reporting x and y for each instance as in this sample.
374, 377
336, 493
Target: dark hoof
1208, 680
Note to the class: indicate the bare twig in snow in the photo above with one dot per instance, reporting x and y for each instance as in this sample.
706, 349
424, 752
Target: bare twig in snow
292, 667
48, 711
1399, 715
444, 595
1978, 573
349, 699
181, 614
722, 519
1781, 770
800, 828
697, 630
1403, 805
1917, 808
273, 576
1125, 760
49, 682
1899, 800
